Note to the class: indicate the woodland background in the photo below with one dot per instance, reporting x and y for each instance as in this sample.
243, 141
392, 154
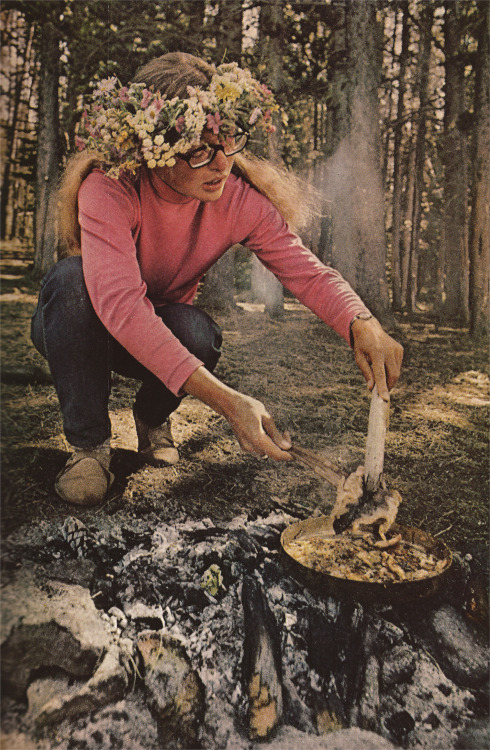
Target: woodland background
386, 114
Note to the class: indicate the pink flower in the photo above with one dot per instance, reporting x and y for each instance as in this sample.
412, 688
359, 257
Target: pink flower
214, 122
179, 124
255, 116
123, 94
146, 98
79, 143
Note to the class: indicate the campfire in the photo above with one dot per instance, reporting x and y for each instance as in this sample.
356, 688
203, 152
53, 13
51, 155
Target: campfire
260, 656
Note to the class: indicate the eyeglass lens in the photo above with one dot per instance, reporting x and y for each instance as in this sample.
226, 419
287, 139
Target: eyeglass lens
232, 145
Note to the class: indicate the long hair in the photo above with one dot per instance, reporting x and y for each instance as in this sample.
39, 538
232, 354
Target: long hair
171, 74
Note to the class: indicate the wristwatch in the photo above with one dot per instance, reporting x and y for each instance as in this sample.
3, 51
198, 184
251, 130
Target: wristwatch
359, 316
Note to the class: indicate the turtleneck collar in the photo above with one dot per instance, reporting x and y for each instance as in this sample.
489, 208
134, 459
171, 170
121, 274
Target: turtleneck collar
163, 190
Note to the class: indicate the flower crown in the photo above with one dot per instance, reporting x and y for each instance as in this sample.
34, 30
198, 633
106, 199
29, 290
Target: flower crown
133, 125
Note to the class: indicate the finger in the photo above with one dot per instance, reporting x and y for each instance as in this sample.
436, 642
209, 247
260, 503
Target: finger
282, 441
273, 451
394, 365
365, 367
264, 447
379, 372
392, 372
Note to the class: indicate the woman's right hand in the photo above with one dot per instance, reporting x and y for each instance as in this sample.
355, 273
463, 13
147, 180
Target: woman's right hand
255, 429
252, 424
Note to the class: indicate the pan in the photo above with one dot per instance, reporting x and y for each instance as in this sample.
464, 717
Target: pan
365, 591
372, 506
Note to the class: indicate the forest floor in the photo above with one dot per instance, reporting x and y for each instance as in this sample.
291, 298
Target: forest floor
436, 451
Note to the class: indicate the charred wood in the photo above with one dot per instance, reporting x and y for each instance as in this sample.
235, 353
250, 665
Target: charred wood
262, 667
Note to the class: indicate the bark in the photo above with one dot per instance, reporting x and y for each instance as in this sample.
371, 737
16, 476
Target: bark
229, 31
479, 223
354, 174
426, 17
453, 261
266, 289
10, 145
48, 151
396, 221
406, 230
218, 287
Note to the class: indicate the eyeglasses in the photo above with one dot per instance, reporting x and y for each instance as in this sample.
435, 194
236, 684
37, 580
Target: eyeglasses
199, 157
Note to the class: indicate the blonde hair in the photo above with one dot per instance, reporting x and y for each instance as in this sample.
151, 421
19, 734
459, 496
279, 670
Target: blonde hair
171, 74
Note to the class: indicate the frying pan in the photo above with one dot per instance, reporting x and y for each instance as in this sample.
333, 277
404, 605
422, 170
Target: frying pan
369, 590
365, 591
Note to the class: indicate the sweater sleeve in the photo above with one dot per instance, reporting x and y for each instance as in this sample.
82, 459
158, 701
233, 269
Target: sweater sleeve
109, 217
319, 287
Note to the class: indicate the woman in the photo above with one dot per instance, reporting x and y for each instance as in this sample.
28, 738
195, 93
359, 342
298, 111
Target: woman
159, 193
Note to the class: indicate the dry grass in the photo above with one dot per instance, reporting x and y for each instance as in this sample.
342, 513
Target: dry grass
437, 447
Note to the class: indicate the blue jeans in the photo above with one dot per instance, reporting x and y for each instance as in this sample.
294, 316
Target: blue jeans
81, 355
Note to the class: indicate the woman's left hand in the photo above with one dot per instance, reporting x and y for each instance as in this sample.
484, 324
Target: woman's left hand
378, 356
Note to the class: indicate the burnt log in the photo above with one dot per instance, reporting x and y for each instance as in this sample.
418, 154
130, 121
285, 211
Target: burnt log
262, 663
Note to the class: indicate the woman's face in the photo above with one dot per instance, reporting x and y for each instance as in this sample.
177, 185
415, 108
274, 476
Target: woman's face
205, 183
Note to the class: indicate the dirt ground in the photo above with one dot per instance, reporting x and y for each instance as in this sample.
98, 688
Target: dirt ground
436, 452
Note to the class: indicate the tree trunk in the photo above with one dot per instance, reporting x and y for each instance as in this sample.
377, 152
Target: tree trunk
266, 289
396, 221
17, 75
453, 262
354, 179
218, 289
48, 151
426, 17
479, 223
229, 31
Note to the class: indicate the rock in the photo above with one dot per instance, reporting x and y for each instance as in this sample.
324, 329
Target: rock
460, 651
45, 625
399, 725
398, 666
52, 701
476, 736
288, 738
368, 707
175, 694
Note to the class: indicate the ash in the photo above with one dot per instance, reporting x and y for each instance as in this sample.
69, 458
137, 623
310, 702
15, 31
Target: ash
343, 664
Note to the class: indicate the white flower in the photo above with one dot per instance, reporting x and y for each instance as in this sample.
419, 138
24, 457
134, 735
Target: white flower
106, 86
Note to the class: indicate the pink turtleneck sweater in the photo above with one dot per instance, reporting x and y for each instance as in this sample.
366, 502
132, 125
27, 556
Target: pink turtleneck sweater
146, 246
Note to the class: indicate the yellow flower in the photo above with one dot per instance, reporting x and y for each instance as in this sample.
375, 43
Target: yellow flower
227, 92
151, 164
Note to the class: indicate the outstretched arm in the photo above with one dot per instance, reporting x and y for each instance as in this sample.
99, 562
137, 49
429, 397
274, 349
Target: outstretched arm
378, 356
248, 418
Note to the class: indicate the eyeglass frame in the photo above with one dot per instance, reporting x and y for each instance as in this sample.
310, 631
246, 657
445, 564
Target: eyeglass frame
215, 148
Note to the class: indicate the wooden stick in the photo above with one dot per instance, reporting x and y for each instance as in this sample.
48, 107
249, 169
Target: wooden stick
375, 443
322, 466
